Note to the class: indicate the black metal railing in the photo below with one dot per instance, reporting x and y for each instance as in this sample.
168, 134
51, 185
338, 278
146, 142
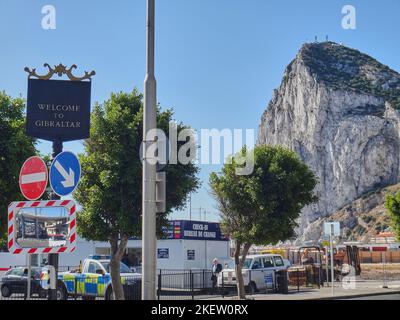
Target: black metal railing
181, 284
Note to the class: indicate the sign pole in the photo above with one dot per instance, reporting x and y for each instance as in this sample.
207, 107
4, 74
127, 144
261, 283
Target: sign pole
385, 285
28, 289
149, 167
327, 266
332, 271
53, 257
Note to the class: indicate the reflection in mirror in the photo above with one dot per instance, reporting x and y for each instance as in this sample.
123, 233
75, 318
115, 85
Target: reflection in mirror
42, 227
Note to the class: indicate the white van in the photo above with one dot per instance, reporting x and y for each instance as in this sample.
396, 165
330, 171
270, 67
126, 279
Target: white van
258, 272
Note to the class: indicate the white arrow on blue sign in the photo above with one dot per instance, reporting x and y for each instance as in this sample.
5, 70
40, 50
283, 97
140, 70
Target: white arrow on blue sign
65, 172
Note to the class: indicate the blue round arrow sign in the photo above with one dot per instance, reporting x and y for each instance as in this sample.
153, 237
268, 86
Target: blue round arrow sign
65, 172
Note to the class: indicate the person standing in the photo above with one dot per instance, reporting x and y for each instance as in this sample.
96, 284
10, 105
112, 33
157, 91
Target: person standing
216, 269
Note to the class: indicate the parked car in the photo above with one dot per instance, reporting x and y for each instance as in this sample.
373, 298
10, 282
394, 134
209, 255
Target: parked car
137, 269
94, 280
15, 281
258, 272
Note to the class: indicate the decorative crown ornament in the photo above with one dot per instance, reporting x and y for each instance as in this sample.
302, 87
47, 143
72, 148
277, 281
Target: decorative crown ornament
59, 70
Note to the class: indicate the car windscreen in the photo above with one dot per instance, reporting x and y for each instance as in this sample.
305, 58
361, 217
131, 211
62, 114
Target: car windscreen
15, 272
123, 268
247, 263
20, 272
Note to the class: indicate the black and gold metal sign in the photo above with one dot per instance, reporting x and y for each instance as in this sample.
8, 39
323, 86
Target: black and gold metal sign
58, 110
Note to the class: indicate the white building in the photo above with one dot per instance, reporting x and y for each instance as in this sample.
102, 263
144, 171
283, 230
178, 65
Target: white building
189, 245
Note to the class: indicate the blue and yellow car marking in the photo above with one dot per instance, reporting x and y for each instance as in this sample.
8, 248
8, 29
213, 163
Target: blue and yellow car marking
87, 284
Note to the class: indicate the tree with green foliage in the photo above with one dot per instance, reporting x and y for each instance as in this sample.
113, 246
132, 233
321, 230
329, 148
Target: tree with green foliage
393, 206
15, 148
110, 191
262, 207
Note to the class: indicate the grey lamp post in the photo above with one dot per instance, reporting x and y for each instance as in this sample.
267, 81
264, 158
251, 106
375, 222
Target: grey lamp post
149, 167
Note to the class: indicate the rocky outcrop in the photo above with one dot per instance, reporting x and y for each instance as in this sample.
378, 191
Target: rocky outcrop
360, 220
337, 108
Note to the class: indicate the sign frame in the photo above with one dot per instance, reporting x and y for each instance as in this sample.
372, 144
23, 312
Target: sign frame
14, 207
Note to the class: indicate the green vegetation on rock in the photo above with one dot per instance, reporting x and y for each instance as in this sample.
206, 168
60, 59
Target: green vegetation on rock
343, 68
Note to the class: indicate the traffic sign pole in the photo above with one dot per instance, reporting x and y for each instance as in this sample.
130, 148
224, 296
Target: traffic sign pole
28, 279
53, 257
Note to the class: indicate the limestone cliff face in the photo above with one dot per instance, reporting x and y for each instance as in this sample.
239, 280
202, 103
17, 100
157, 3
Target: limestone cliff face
337, 108
362, 219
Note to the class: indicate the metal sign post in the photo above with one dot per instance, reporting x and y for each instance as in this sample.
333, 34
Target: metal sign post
28, 279
53, 257
385, 284
326, 266
332, 229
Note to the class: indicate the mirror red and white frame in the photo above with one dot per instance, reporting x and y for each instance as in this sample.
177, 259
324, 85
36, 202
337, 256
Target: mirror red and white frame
15, 207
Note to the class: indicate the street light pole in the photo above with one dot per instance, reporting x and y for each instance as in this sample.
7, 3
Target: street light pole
149, 167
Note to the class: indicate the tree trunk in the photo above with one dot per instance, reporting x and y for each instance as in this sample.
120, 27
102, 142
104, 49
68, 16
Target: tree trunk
117, 252
239, 266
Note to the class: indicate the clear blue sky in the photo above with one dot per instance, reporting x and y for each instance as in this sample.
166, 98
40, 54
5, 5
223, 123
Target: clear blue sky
217, 61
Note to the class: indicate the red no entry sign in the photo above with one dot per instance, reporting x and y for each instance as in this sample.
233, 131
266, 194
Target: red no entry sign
33, 178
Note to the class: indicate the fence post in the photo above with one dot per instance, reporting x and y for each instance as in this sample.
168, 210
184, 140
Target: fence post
75, 288
203, 287
191, 284
223, 284
298, 280
319, 277
159, 286
26, 289
306, 273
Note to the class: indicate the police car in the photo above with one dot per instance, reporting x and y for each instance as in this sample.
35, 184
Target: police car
94, 280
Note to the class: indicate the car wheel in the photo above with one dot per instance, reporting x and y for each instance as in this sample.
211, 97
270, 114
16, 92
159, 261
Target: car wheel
253, 288
61, 293
5, 291
109, 294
